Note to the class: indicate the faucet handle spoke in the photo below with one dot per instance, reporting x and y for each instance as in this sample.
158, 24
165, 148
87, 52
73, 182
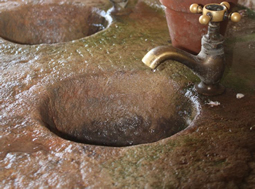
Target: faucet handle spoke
195, 8
235, 17
226, 4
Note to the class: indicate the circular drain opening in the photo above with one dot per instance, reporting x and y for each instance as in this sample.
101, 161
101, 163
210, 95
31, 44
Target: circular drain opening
51, 23
115, 110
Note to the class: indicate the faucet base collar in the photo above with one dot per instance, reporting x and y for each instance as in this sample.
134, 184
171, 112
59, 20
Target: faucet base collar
209, 90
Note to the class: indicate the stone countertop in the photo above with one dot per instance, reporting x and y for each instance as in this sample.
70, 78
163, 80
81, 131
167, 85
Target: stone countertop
217, 151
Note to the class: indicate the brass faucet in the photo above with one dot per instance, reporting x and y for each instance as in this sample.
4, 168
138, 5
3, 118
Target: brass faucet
209, 64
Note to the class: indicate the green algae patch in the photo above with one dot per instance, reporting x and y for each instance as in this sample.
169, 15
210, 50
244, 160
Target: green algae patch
238, 83
234, 40
166, 159
136, 165
239, 74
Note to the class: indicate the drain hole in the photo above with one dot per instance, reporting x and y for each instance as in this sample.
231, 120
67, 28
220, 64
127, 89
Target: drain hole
54, 23
113, 111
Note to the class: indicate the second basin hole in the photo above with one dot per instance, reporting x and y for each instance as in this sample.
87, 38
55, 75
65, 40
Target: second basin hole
50, 23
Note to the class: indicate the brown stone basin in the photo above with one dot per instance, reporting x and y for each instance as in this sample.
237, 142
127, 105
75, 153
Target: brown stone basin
117, 109
50, 23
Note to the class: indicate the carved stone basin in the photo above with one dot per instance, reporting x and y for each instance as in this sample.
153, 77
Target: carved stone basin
50, 23
118, 109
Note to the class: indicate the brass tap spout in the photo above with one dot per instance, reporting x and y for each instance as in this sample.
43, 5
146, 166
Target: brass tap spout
160, 54
209, 68
209, 64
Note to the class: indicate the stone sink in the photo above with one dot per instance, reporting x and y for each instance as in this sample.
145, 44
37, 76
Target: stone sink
50, 22
117, 109
78, 108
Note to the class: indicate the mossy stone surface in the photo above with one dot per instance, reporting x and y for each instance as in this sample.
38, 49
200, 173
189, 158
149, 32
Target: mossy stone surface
216, 151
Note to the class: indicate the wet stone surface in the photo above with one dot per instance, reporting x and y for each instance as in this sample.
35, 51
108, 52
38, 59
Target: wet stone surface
215, 151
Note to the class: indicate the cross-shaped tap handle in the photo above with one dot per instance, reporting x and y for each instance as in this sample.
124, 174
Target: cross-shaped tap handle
214, 12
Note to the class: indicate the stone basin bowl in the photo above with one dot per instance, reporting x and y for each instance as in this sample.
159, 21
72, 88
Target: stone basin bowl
51, 23
117, 109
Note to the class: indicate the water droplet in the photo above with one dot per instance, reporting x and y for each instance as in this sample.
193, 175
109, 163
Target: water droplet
239, 95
